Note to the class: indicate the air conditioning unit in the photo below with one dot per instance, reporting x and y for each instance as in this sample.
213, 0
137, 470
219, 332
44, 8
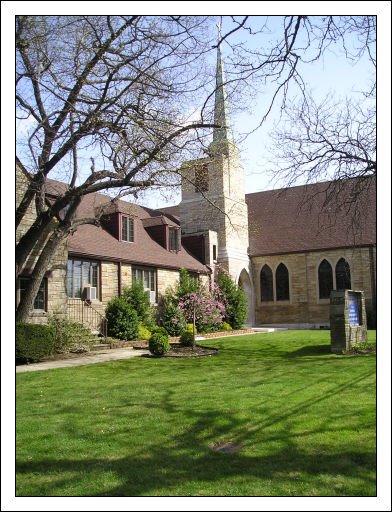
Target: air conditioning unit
91, 292
152, 297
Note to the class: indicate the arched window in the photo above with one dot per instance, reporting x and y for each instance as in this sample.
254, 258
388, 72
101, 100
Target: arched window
343, 275
266, 284
325, 279
282, 283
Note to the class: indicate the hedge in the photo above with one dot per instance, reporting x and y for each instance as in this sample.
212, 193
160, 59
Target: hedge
34, 342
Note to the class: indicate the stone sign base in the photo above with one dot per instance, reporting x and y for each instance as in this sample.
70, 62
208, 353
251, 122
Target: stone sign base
347, 319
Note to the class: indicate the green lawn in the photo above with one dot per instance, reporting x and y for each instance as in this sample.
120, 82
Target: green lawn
303, 417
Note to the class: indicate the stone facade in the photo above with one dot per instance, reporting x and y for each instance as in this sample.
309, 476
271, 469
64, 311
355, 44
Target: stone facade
55, 279
346, 331
221, 208
304, 306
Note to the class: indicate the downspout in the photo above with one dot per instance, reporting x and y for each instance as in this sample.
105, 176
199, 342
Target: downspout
119, 271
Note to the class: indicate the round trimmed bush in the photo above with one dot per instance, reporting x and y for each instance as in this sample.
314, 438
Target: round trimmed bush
187, 338
158, 344
123, 320
160, 330
226, 327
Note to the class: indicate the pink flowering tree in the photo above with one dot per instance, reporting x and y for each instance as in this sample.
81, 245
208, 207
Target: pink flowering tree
205, 307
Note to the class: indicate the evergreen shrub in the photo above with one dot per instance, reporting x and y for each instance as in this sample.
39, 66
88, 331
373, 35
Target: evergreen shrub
123, 320
158, 344
171, 317
234, 299
186, 339
33, 342
140, 302
160, 330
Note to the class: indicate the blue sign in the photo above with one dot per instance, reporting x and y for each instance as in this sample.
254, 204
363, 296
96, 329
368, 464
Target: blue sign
353, 309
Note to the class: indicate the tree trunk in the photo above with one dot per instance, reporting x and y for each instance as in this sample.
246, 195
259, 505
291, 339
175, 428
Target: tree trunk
29, 239
26, 304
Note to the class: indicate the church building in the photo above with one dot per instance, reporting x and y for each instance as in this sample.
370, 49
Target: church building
283, 247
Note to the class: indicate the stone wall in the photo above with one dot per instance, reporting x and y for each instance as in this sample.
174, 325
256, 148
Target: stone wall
166, 278
56, 275
304, 305
109, 281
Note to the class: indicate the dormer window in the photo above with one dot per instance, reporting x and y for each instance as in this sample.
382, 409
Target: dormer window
127, 229
174, 239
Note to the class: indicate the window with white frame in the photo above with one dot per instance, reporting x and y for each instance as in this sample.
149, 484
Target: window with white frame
147, 276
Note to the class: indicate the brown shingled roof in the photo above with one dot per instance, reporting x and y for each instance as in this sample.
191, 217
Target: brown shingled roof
97, 242
295, 219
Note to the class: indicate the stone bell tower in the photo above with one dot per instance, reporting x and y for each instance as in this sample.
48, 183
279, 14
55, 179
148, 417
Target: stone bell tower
213, 203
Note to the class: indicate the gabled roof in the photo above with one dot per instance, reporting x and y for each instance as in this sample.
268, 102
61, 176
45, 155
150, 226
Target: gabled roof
310, 217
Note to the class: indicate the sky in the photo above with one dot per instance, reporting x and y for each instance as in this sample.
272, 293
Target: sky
329, 75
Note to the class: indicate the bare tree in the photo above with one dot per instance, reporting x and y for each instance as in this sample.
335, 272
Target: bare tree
116, 87
135, 95
333, 140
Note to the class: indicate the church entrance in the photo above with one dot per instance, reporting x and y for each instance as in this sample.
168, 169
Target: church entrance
245, 283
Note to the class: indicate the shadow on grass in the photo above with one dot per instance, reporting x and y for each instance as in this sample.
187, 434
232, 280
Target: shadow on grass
187, 465
163, 469
310, 350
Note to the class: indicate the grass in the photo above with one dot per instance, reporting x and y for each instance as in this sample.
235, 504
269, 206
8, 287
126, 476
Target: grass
303, 418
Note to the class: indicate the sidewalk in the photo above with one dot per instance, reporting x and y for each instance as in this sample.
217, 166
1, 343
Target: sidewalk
89, 358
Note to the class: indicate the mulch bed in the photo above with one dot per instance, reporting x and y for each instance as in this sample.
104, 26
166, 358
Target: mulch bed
181, 351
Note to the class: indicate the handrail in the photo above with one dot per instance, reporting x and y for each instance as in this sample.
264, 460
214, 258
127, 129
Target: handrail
82, 311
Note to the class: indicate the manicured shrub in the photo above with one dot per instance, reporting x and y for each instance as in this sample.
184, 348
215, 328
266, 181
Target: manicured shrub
226, 327
158, 344
123, 320
160, 330
33, 342
186, 339
71, 336
143, 333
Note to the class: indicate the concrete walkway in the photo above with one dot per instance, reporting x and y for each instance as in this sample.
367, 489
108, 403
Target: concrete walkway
92, 357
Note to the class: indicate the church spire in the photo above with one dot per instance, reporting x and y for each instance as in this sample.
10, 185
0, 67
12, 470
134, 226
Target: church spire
221, 111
